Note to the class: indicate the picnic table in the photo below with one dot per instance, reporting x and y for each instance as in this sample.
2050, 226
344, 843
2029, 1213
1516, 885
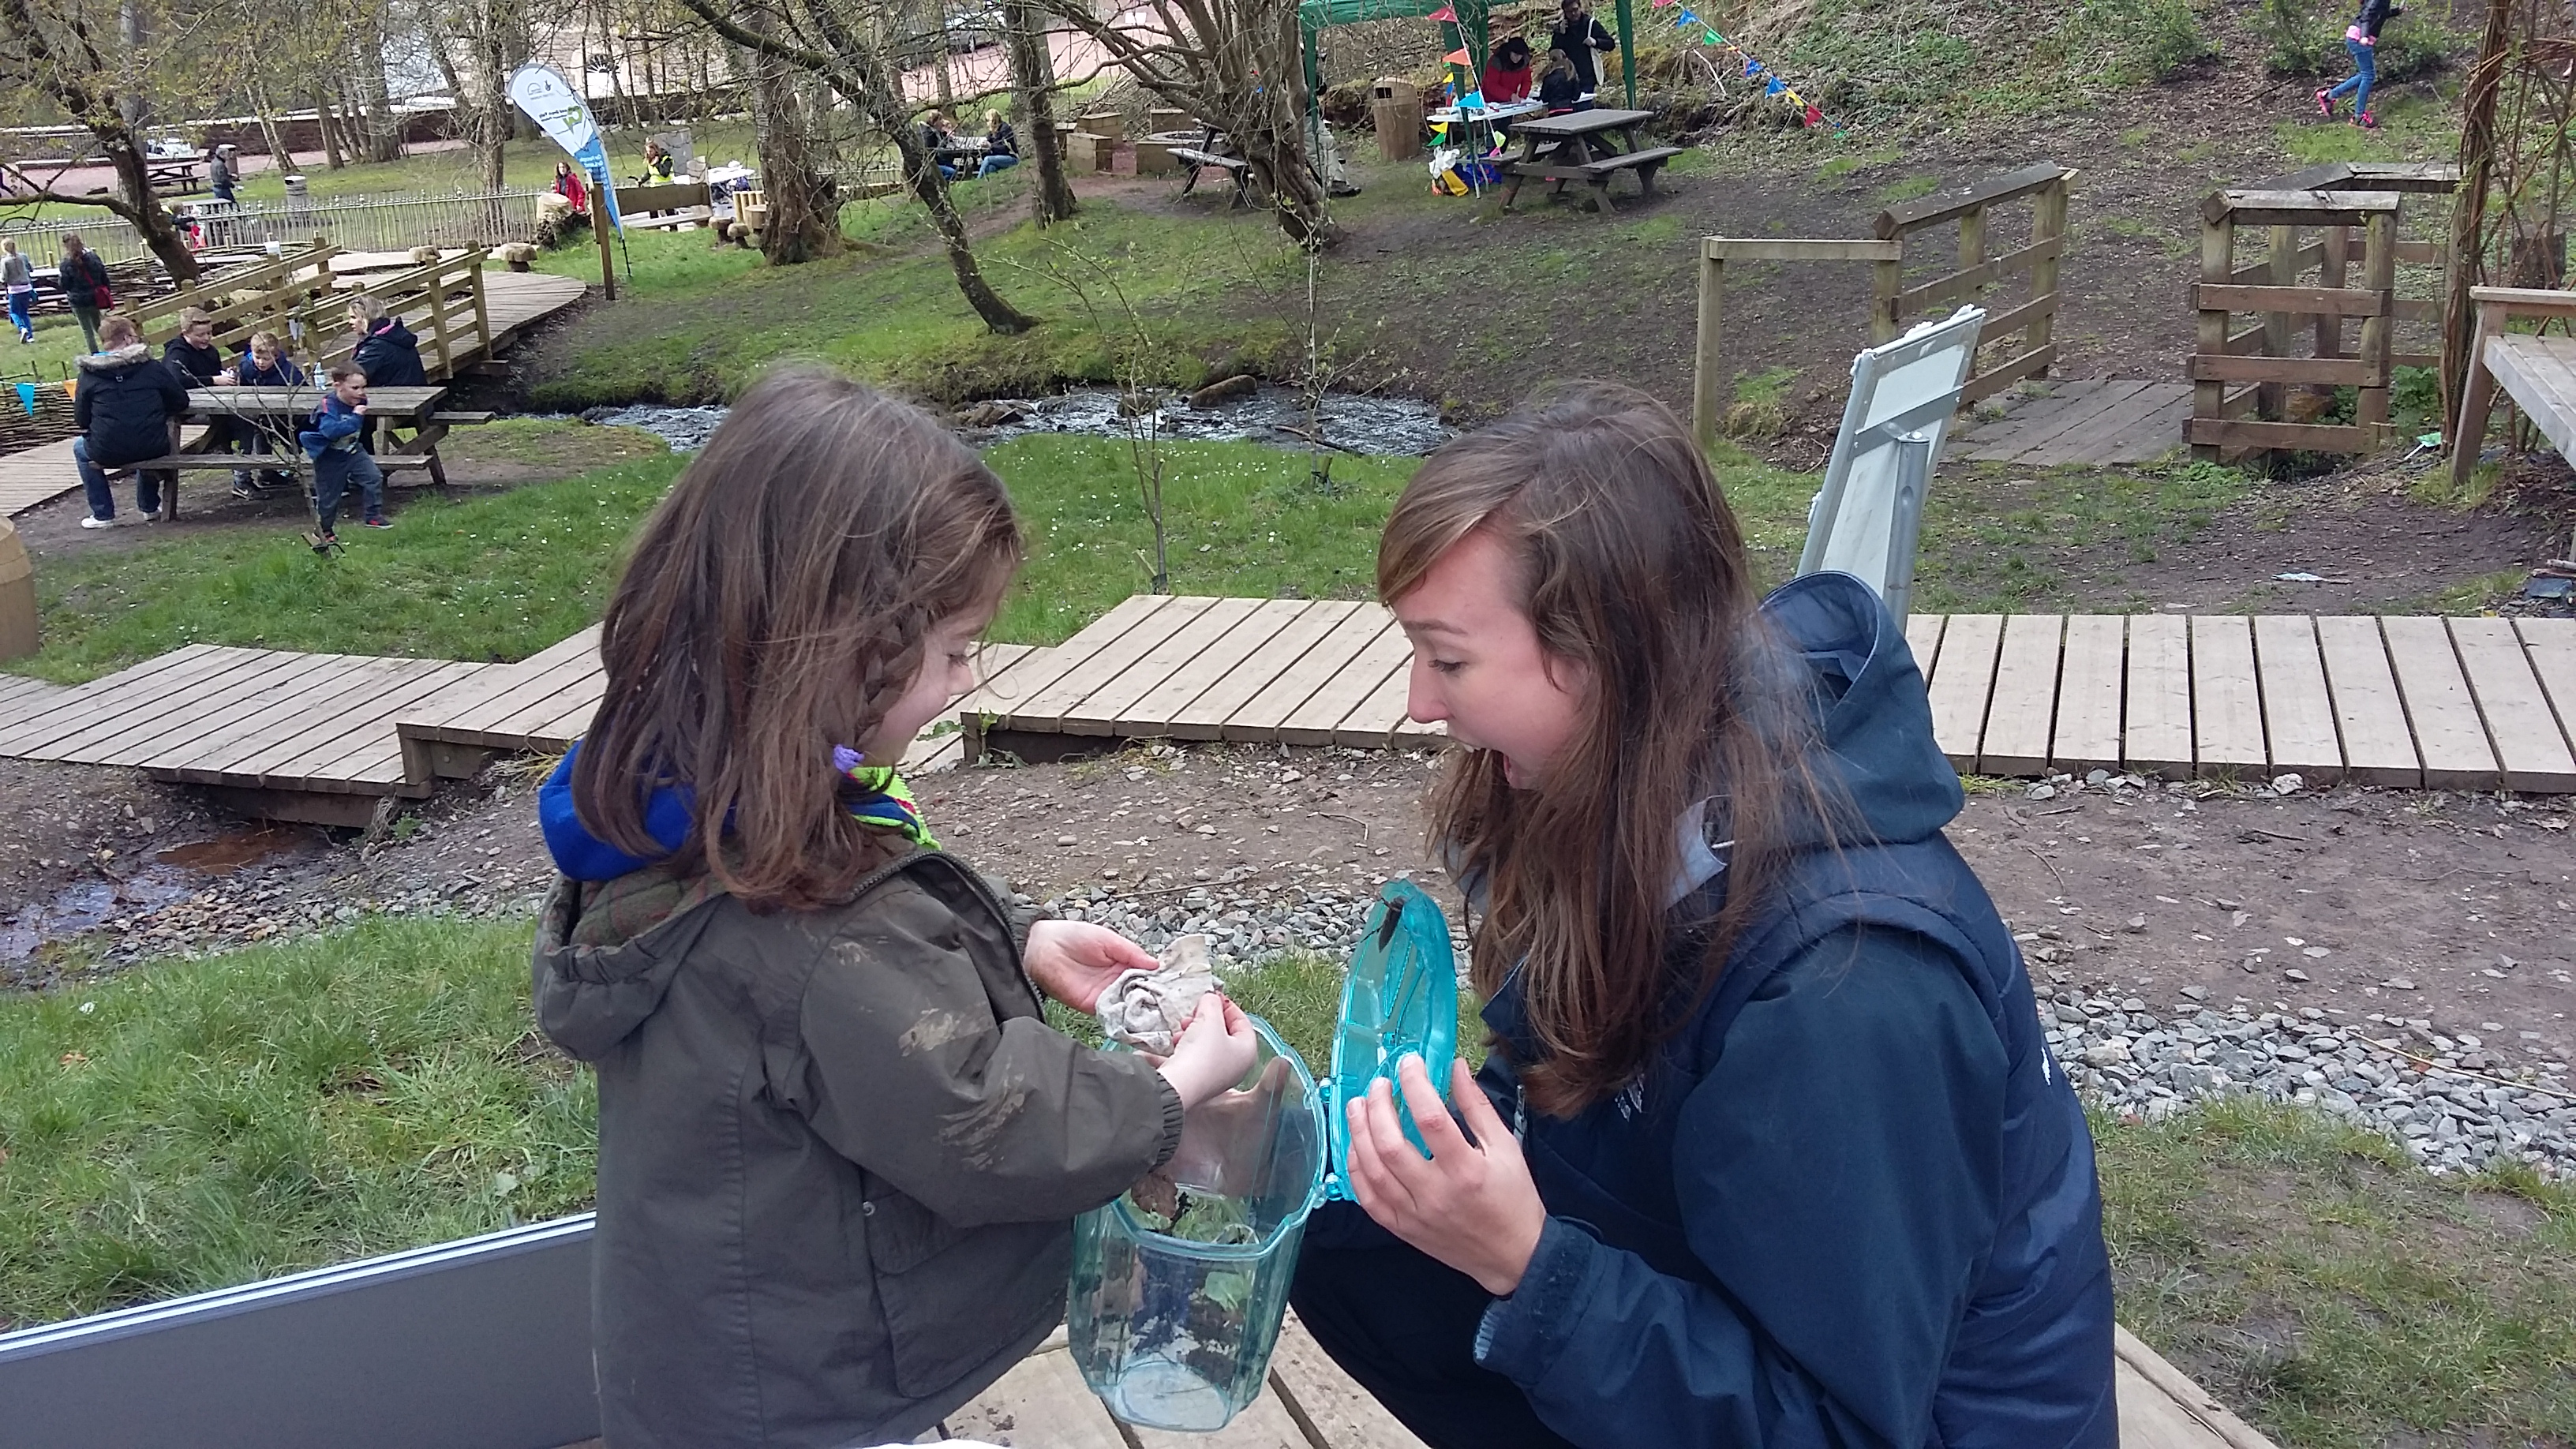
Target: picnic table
279, 413
174, 171
1586, 146
1497, 113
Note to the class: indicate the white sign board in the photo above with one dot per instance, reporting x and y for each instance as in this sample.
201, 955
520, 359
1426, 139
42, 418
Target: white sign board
1865, 518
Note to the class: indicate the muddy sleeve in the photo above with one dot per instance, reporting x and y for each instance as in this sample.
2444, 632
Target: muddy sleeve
908, 1070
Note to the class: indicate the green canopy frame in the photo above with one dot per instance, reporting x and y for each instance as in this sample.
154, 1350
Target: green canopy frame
1316, 16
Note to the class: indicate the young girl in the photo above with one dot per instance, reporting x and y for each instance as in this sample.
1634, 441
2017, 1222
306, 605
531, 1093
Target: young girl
1769, 1149
839, 1148
1560, 87
2361, 41
18, 277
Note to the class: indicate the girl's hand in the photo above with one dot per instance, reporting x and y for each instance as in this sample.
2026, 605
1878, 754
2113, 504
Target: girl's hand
1074, 961
1473, 1205
1215, 1051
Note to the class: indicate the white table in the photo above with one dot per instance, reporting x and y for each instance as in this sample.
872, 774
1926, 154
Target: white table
1497, 113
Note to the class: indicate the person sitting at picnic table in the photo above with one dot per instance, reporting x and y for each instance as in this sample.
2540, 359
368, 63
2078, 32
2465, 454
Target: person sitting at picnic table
220, 175
1579, 36
84, 280
263, 363
568, 186
18, 276
200, 363
1507, 75
1560, 88
1001, 145
123, 404
387, 353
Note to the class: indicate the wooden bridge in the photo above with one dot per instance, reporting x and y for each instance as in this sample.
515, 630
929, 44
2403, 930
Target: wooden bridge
2480, 704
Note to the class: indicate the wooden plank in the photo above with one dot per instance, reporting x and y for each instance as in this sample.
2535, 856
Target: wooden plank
1965, 283
1315, 721
1923, 641
2226, 699
107, 716
1176, 654
24, 709
2087, 733
1935, 209
2550, 646
284, 678
2439, 708
284, 713
1245, 637
1264, 1424
2304, 301
2305, 437
2155, 722
1086, 642
2298, 208
2023, 706
2528, 301
573, 687
1050, 707
1995, 440
1334, 1412
1373, 723
2528, 743
1793, 249
488, 716
1205, 716
2057, 424
2339, 371
1041, 1401
1960, 687
2096, 441
2298, 710
2162, 1409
1263, 714
376, 754
312, 761
2154, 435
2538, 377
2033, 363
2370, 716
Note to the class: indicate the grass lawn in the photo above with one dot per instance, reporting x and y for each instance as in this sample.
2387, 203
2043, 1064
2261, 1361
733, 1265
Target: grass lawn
501, 576
190, 1125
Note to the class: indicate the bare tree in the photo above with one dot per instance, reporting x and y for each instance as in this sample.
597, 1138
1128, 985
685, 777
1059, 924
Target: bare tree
826, 41
59, 58
1033, 76
803, 205
1238, 65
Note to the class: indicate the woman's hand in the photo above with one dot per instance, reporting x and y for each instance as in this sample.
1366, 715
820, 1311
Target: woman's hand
1074, 961
1473, 1205
1216, 1049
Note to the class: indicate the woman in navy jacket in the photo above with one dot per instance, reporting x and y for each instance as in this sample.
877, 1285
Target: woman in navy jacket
1769, 1148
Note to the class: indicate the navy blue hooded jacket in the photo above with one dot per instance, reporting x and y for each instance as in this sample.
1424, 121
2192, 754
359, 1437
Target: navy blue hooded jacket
1853, 1202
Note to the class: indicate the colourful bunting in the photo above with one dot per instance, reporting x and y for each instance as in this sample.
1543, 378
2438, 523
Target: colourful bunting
1775, 87
1456, 57
1688, 20
1752, 68
1445, 13
1475, 101
1716, 39
1813, 116
27, 397
71, 387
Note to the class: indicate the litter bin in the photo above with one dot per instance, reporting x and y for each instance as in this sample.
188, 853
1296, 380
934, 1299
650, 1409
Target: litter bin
1181, 1283
294, 187
1395, 104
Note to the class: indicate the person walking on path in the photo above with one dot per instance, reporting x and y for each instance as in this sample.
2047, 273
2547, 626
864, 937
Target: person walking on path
86, 286
18, 277
1581, 37
1769, 1149
123, 404
2361, 41
220, 175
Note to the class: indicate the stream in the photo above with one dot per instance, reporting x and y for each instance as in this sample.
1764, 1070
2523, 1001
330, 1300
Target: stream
1351, 422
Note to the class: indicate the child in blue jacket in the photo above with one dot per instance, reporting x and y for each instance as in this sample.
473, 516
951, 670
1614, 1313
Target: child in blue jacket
338, 460
263, 363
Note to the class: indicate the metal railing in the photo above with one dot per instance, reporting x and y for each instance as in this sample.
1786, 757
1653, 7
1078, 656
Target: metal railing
356, 224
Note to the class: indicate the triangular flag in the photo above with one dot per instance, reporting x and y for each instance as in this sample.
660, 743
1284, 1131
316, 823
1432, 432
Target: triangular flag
1813, 115
27, 397
1660, 4
1752, 67
1716, 39
1444, 13
1456, 57
1688, 18
1776, 86
71, 387
1475, 101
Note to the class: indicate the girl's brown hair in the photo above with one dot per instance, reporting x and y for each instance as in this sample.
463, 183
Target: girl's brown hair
1631, 564
777, 604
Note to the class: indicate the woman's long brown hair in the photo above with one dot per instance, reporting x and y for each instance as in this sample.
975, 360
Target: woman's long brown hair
776, 605
1631, 564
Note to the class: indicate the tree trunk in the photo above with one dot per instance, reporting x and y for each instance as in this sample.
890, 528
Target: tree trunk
269, 134
921, 173
1033, 75
329, 125
492, 108
803, 222
144, 209
380, 133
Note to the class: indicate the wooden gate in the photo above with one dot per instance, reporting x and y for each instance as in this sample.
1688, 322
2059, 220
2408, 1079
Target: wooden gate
2002, 360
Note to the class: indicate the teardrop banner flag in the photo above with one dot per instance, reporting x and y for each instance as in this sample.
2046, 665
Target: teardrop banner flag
549, 100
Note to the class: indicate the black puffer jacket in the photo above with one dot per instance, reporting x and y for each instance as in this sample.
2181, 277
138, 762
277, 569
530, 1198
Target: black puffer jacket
195, 365
124, 404
390, 356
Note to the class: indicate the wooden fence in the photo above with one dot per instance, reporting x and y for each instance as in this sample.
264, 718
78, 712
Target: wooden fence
1714, 253
297, 297
2357, 213
2034, 261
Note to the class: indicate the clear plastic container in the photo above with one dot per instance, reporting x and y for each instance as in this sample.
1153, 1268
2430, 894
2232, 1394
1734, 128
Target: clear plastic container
1179, 1286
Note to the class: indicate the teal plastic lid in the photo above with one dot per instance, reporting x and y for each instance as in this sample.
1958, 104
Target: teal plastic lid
1400, 997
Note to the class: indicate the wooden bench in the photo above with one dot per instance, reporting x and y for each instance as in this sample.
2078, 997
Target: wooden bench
1232, 166
1645, 163
2538, 372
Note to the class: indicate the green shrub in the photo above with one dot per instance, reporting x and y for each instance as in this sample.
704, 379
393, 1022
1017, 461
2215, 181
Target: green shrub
2298, 40
2139, 40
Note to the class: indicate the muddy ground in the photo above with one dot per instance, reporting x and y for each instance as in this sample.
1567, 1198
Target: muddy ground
2450, 908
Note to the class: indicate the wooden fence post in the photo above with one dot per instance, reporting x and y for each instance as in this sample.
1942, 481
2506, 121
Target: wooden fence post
2047, 223
1887, 279
2378, 331
1704, 377
2217, 265
2282, 268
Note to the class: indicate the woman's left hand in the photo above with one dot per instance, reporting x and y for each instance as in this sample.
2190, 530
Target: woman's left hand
1074, 961
1472, 1205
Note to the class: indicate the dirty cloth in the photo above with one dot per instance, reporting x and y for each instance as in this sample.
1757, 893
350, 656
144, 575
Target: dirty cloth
1145, 1009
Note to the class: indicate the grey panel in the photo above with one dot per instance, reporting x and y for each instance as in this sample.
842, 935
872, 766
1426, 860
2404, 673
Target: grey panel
478, 1344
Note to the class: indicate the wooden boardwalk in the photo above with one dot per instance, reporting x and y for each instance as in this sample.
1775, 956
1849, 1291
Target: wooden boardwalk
2093, 421
515, 300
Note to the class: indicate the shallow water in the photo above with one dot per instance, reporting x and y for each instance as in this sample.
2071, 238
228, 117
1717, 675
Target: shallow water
1353, 422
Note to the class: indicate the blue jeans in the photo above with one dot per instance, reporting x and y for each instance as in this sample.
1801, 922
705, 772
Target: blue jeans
102, 499
335, 473
2365, 61
19, 305
992, 164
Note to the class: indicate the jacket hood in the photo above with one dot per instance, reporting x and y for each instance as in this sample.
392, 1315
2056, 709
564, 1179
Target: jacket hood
121, 360
392, 327
607, 954
584, 856
1873, 719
